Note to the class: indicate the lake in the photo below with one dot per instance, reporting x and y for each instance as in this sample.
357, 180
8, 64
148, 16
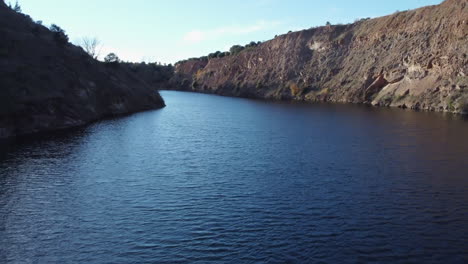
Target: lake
212, 179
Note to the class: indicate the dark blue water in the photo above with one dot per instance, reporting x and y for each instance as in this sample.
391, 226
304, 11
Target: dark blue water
225, 180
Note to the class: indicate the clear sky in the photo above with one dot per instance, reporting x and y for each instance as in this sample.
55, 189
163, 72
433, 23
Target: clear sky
171, 30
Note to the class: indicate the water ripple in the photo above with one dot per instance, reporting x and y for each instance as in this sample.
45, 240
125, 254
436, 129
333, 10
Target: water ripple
221, 180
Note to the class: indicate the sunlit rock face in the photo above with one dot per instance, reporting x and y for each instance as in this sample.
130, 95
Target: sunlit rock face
413, 59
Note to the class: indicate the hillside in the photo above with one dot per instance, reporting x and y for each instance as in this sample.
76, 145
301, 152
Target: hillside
414, 59
48, 84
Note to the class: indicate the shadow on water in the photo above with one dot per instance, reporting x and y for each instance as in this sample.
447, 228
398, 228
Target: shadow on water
11, 145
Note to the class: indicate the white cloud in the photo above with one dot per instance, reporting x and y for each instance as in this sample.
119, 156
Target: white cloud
197, 36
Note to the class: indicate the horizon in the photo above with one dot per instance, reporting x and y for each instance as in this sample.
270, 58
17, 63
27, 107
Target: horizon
206, 26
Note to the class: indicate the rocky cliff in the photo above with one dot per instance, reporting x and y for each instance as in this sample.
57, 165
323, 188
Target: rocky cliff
415, 59
48, 84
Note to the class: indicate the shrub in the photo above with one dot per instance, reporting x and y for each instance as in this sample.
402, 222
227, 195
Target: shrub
112, 58
223, 54
253, 44
214, 55
218, 54
236, 49
59, 34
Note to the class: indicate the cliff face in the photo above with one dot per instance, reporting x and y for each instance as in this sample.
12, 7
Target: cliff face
46, 85
415, 59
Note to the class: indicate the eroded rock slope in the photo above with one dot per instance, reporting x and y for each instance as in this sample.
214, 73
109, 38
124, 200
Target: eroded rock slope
415, 59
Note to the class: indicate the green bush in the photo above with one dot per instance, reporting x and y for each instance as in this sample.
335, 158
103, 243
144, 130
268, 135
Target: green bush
236, 49
253, 44
214, 55
218, 54
223, 54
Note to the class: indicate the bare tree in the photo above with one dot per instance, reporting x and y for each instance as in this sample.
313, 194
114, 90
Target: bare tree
17, 8
92, 46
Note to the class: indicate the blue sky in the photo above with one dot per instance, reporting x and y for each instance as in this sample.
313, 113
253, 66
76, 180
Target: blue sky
171, 30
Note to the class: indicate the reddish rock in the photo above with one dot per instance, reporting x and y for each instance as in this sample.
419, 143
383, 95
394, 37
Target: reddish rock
420, 51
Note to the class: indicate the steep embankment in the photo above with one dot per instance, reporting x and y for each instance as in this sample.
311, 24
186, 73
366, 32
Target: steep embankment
415, 59
46, 84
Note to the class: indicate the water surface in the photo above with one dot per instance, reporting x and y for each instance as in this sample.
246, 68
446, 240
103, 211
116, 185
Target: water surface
226, 180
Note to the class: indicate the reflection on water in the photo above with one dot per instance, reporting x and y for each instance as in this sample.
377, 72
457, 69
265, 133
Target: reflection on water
215, 179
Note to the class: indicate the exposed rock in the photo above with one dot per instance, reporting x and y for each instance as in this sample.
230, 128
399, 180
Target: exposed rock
46, 85
415, 59
379, 83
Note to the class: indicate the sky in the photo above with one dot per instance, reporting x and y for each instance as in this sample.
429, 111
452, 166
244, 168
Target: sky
167, 31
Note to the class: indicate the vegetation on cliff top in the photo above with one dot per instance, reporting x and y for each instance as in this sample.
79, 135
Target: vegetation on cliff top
234, 50
412, 59
218, 54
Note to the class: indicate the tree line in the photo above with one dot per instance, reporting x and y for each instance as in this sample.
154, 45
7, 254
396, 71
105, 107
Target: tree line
219, 54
